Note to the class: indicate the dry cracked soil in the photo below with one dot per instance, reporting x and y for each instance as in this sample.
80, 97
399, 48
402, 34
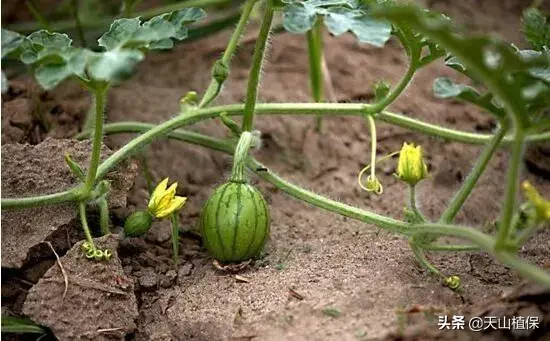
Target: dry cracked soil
322, 276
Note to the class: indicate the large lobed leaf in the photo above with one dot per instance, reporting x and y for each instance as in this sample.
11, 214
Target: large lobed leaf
10, 42
340, 16
536, 28
54, 58
156, 33
500, 66
444, 87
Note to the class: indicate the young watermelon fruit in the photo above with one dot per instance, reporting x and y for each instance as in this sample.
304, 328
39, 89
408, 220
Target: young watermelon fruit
235, 219
235, 222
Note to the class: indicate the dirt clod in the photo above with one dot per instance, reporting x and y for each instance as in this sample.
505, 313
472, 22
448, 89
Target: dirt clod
168, 279
184, 271
148, 279
30, 114
29, 170
99, 304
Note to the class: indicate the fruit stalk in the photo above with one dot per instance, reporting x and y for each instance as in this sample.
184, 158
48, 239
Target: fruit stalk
238, 173
256, 69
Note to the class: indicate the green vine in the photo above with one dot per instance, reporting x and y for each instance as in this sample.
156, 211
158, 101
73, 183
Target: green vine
516, 90
256, 69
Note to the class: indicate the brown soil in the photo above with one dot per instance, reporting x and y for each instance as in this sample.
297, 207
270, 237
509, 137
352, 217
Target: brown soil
30, 114
368, 276
24, 230
68, 300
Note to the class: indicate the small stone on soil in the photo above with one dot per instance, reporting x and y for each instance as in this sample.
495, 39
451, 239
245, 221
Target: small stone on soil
168, 279
148, 279
184, 271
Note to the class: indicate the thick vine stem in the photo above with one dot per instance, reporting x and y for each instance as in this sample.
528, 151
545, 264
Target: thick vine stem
85, 227
292, 190
256, 68
451, 247
420, 256
412, 203
214, 87
239, 158
100, 94
315, 57
346, 109
42, 200
414, 58
512, 184
487, 243
104, 219
460, 197
186, 118
481, 240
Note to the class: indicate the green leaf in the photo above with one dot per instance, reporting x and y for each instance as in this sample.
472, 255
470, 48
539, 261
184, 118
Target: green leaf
299, 18
116, 66
541, 73
493, 61
10, 41
536, 28
180, 19
12, 324
444, 87
456, 64
73, 62
54, 59
156, 33
43, 44
120, 33
340, 16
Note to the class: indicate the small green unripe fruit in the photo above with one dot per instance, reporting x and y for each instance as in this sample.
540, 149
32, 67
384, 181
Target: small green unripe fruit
235, 222
138, 223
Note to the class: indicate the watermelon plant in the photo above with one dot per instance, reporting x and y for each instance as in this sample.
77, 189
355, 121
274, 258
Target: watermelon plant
53, 59
514, 87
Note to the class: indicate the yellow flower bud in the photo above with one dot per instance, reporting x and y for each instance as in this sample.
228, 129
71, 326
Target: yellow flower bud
164, 201
411, 167
541, 205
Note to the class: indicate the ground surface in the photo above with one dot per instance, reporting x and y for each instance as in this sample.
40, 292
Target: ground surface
333, 263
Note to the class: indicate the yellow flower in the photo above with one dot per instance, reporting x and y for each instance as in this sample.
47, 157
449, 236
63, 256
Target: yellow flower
411, 167
164, 201
541, 205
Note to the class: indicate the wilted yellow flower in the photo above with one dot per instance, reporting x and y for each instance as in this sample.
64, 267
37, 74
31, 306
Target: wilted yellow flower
541, 205
164, 201
411, 167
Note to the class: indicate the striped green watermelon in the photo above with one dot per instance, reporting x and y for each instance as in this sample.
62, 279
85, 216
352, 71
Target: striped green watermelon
235, 222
